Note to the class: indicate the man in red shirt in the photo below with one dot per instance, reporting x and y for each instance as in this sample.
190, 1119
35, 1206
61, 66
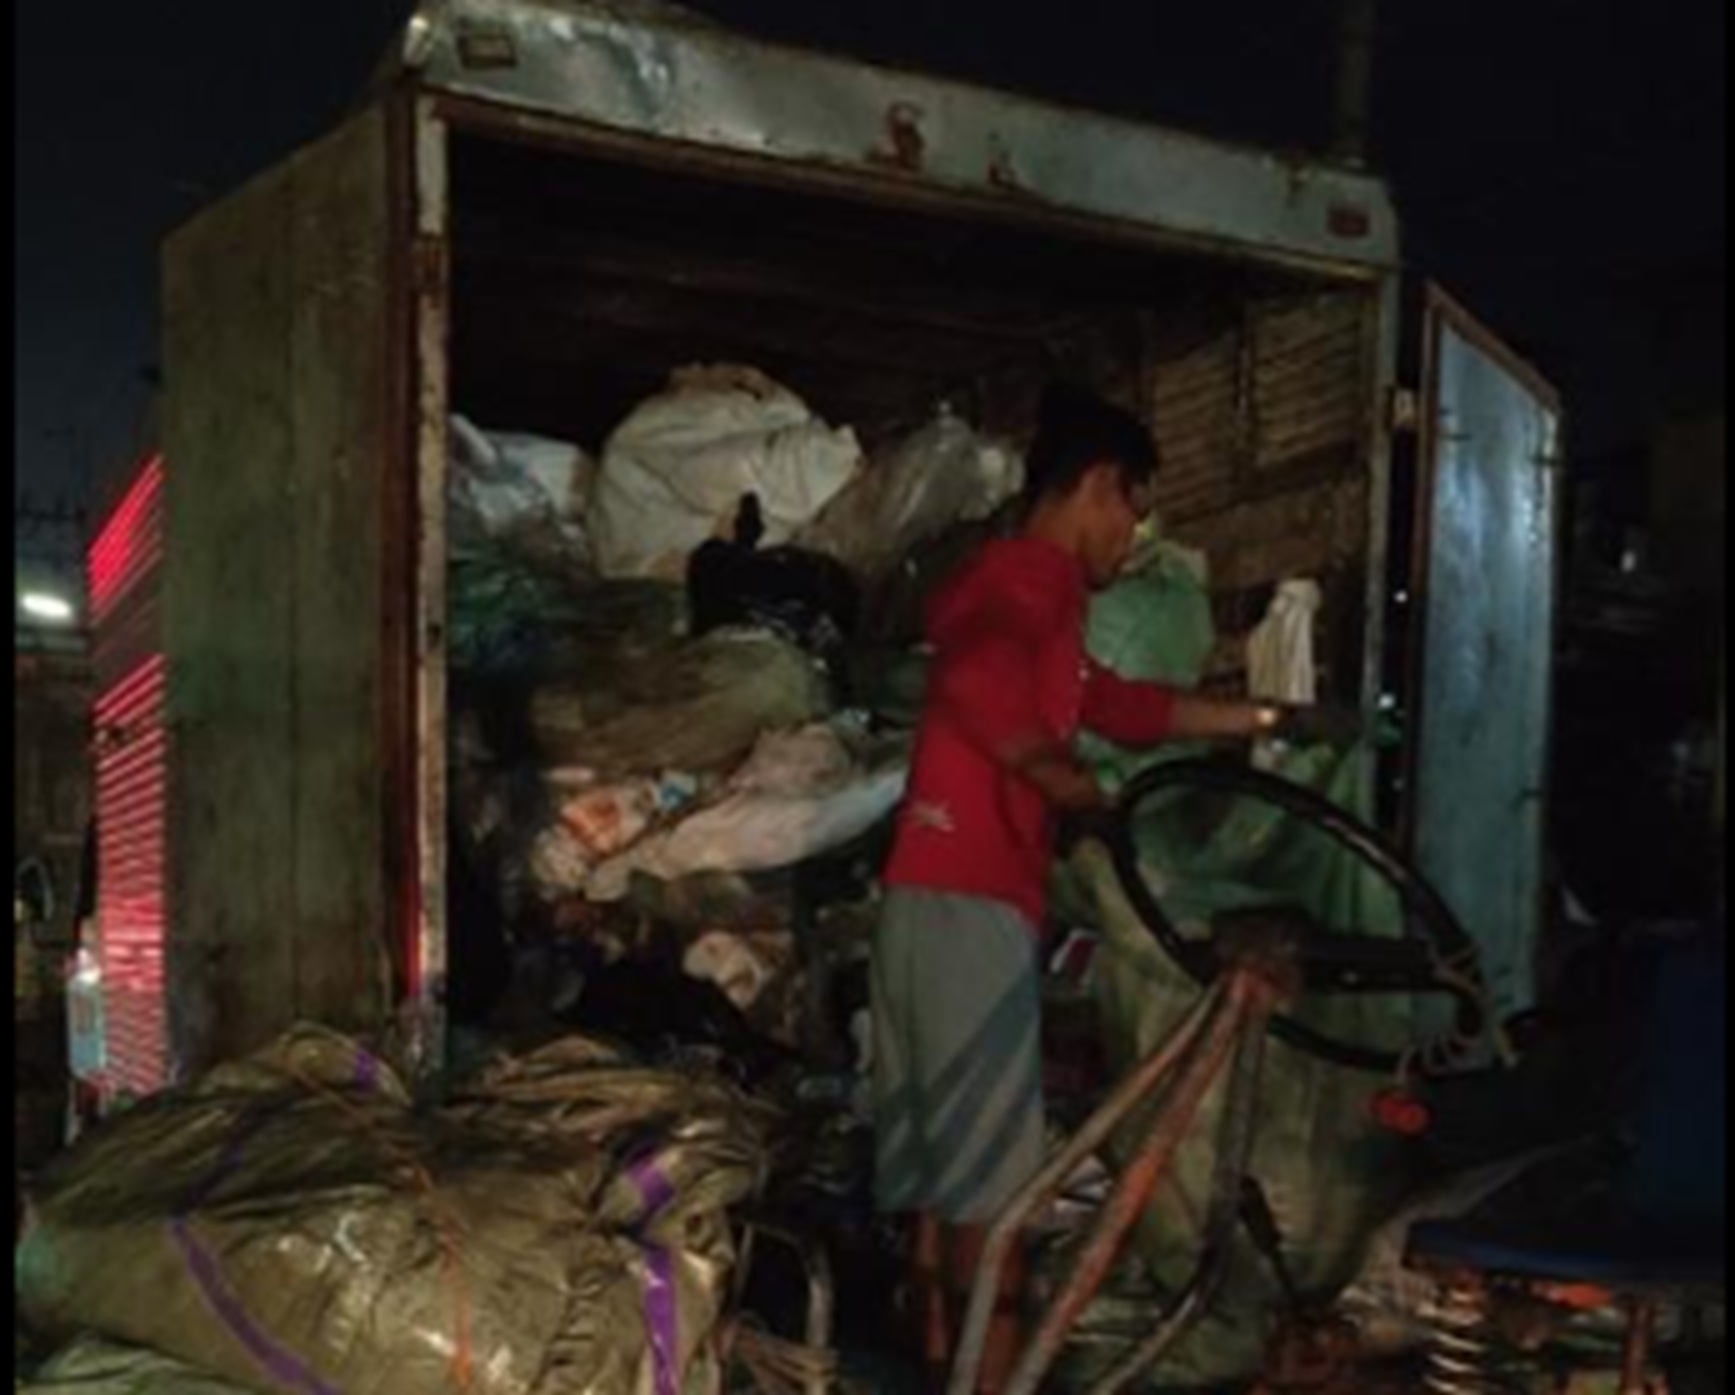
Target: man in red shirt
958, 1090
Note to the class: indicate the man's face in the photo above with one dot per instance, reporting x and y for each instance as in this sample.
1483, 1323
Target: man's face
1112, 514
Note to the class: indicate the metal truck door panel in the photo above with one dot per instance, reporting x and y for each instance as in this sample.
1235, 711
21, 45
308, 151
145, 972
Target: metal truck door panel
283, 425
1486, 589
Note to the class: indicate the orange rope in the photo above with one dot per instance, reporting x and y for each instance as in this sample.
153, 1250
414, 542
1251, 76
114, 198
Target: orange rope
464, 1356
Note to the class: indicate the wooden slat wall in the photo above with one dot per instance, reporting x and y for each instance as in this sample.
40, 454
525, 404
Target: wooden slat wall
1265, 421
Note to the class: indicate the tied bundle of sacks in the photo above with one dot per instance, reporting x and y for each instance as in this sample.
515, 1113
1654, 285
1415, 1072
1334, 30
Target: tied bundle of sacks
292, 1222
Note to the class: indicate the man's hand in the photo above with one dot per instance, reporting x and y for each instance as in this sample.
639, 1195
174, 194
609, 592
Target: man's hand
1319, 726
1200, 718
1066, 785
1096, 825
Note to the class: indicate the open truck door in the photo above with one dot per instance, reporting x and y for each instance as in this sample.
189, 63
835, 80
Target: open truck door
1478, 613
289, 599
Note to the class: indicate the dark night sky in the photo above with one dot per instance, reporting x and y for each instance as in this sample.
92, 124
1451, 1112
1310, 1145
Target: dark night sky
1549, 154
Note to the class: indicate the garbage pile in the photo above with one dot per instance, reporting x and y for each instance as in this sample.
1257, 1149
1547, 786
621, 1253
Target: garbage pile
293, 1221
684, 678
684, 681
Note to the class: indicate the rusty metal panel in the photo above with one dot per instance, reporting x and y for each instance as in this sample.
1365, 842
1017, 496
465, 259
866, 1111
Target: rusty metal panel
646, 76
431, 380
1490, 581
279, 432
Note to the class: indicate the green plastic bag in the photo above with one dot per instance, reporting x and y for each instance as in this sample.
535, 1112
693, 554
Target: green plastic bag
1153, 626
1332, 1175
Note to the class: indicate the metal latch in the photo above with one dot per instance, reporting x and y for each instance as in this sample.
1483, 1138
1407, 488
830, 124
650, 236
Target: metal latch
1404, 410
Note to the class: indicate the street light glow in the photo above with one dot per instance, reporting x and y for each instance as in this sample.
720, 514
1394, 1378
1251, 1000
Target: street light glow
41, 605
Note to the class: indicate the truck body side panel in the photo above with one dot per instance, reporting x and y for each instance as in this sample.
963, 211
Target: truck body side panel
281, 429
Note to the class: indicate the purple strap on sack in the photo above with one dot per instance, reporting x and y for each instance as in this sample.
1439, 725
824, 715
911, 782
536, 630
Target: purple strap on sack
367, 1071
662, 1298
282, 1365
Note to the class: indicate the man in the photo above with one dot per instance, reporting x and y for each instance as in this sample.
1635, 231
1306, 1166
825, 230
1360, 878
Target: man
958, 1091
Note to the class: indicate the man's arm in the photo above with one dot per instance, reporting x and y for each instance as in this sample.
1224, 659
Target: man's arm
1063, 781
1147, 714
986, 687
1200, 718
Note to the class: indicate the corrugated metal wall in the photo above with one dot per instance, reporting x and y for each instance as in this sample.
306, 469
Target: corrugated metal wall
131, 733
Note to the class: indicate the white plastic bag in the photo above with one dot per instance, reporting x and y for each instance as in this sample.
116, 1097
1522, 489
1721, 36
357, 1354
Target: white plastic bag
609, 819
729, 962
673, 475
526, 493
594, 822
1280, 661
802, 794
944, 474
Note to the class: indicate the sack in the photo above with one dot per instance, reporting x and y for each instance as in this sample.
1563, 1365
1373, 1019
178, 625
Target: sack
801, 795
91, 1366
515, 621
292, 1222
1154, 625
943, 475
698, 708
526, 494
1331, 1172
674, 473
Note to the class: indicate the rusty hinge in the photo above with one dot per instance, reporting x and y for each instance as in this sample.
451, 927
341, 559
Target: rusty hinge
430, 265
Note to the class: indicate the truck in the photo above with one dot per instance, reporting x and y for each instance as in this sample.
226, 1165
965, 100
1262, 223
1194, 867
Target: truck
545, 205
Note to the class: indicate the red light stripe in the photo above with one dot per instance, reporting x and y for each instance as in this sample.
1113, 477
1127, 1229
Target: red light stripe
129, 546
132, 782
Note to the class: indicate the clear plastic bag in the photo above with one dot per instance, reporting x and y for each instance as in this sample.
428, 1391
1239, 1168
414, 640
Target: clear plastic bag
943, 475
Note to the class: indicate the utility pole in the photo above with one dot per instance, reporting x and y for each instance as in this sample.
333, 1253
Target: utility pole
1353, 119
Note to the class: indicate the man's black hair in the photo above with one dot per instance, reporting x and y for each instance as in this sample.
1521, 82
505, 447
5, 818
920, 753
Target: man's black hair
1079, 430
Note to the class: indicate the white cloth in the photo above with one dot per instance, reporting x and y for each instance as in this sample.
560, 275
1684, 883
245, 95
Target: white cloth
1280, 656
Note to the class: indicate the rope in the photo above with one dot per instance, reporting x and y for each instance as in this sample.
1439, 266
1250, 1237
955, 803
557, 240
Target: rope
445, 1227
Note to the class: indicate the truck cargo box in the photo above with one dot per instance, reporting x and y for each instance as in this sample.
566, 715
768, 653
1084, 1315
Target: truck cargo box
547, 206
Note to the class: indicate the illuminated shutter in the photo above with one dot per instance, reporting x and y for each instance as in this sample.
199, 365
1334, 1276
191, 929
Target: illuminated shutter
131, 735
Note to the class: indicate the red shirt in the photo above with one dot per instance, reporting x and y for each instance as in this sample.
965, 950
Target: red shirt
1010, 671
